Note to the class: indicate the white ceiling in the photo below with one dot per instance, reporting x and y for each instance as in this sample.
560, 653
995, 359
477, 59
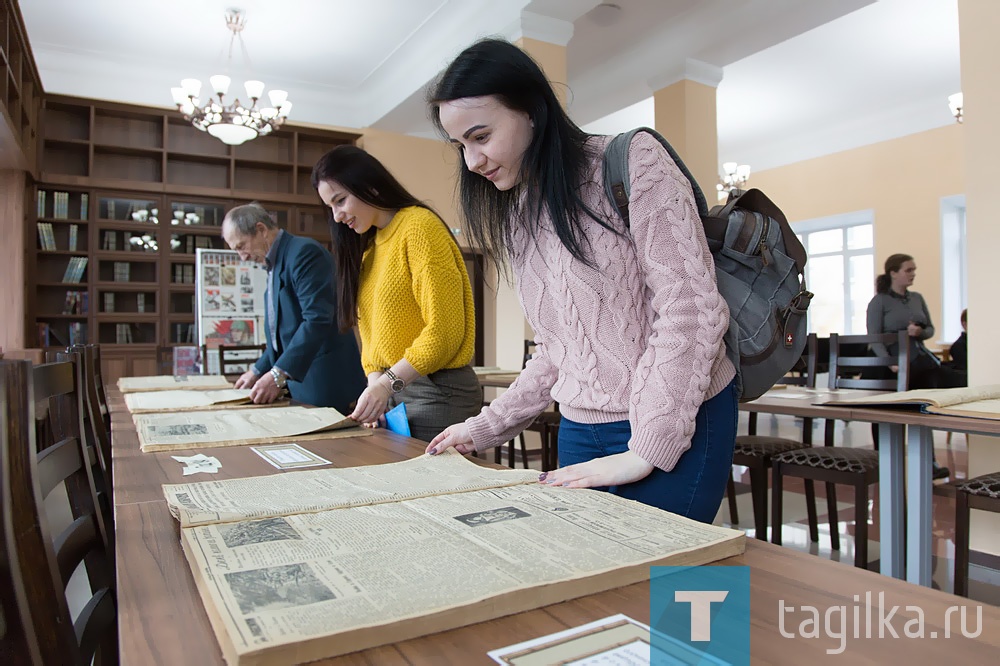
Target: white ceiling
798, 77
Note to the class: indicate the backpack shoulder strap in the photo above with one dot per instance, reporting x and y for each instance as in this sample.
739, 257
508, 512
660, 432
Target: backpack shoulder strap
616, 178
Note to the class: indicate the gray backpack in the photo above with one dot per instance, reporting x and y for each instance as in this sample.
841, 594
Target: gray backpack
760, 266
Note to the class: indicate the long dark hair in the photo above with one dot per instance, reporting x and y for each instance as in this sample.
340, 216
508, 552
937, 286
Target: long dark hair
884, 282
366, 178
553, 165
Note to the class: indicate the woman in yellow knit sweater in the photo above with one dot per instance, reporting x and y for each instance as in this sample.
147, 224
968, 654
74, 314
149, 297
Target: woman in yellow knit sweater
402, 280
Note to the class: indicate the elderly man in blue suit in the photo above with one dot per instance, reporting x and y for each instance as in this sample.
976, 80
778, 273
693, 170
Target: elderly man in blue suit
305, 352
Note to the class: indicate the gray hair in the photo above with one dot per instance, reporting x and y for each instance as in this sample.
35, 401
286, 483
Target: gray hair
245, 218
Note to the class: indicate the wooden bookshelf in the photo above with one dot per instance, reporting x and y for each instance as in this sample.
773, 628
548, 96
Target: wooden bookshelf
145, 190
20, 91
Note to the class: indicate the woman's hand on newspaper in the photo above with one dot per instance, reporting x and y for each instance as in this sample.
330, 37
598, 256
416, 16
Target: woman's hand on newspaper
613, 470
372, 404
457, 436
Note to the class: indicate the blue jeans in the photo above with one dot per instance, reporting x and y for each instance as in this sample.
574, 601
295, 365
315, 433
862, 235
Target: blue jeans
697, 483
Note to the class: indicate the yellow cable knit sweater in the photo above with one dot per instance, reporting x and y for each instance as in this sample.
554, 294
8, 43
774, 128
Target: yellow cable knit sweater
414, 297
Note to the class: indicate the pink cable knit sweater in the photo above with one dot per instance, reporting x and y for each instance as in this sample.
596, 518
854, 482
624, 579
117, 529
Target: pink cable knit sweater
639, 337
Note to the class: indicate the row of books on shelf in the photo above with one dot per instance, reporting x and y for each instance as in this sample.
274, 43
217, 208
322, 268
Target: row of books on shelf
60, 204
47, 238
74, 269
192, 243
184, 332
123, 334
122, 271
51, 337
183, 273
76, 303
109, 302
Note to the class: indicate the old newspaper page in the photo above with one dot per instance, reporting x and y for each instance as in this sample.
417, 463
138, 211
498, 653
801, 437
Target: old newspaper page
206, 429
300, 587
172, 382
176, 401
318, 490
973, 401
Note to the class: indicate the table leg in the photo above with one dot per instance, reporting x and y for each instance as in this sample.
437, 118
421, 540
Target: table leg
891, 499
920, 447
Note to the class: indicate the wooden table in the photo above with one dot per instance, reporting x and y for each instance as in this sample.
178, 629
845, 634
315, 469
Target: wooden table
906, 447
163, 622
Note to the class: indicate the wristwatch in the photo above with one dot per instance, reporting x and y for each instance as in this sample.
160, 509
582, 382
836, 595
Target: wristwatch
279, 379
395, 383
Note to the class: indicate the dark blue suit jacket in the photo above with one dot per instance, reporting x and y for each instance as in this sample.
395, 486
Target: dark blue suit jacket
324, 365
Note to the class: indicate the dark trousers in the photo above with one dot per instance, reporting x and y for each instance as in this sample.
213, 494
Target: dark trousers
695, 486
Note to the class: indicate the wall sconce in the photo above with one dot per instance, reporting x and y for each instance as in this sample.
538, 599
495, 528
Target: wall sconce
955, 104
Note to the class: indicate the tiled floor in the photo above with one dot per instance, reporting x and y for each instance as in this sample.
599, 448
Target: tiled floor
984, 583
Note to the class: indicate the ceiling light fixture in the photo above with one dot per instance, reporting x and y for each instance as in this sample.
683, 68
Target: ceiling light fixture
232, 123
734, 178
955, 104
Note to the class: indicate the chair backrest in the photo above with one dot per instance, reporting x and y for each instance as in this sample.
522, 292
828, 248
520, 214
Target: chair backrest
95, 434
853, 369
234, 357
803, 373
43, 564
18, 639
94, 375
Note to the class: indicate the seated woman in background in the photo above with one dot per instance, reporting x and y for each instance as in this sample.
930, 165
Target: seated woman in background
957, 369
402, 280
895, 308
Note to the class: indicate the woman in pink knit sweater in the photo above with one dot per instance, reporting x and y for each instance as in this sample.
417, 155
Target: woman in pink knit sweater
629, 321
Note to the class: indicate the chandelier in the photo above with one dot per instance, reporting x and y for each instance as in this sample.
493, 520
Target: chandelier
955, 104
232, 123
734, 178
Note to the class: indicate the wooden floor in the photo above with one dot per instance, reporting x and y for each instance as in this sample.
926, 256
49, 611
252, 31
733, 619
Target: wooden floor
984, 583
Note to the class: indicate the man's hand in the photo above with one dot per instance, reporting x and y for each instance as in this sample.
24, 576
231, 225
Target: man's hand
264, 390
614, 470
246, 380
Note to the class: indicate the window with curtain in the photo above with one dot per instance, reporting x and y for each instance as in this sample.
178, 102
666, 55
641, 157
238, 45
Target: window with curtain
840, 271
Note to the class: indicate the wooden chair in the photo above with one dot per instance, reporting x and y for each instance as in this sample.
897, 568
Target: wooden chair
18, 640
95, 434
41, 564
981, 492
235, 355
545, 424
833, 464
756, 451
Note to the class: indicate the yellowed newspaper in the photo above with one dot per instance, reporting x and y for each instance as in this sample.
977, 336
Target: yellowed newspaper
176, 400
172, 382
320, 490
973, 401
302, 587
213, 428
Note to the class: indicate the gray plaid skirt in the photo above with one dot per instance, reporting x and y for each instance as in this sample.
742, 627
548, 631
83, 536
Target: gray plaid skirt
439, 400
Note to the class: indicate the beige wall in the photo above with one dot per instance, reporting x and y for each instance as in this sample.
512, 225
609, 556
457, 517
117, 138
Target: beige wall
979, 23
902, 180
685, 111
425, 167
12, 260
